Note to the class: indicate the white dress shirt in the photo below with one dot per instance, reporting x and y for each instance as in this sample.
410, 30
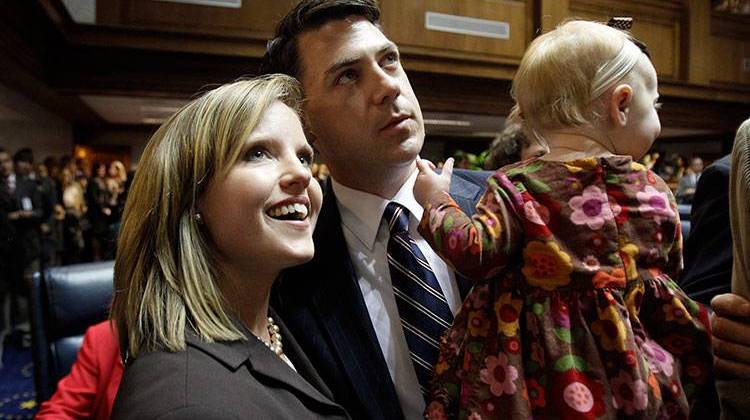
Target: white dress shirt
367, 240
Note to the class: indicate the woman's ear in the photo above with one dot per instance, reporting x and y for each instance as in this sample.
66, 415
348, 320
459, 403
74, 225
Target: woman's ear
619, 104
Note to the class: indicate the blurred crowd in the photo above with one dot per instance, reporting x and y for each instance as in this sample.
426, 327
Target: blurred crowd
56, 212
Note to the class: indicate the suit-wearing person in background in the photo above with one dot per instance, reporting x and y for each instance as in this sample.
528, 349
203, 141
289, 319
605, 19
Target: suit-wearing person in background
708, 248
689, 181
366, 122
89, 390
223, 200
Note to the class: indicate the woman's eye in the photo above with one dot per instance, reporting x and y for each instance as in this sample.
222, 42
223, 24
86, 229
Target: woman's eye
256, 153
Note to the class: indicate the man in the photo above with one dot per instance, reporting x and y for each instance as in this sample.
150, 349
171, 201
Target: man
708, 249
28, 211
687, 184
365, 121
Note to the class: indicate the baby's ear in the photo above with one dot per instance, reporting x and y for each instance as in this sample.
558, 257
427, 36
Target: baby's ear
619, 104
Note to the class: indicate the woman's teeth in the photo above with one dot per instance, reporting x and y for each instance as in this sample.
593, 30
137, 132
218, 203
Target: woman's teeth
289, 212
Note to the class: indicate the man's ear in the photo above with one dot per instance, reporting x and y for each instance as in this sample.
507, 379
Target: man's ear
619, 104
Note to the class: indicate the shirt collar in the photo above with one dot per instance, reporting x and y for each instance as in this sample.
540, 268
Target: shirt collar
362, 212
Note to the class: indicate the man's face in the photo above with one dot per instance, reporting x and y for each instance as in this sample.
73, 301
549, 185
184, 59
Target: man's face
362, 113
6, 165
23, 168
697, 165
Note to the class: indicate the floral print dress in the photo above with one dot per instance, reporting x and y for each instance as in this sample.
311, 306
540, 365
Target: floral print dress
574, 314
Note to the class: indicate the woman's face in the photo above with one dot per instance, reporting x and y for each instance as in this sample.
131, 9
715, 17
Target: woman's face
261, 215
112, 170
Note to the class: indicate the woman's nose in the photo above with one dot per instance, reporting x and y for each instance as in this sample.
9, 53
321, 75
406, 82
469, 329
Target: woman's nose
296, 176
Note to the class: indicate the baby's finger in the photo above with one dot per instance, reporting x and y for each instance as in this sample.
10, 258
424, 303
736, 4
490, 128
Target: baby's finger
448, 168
422, 166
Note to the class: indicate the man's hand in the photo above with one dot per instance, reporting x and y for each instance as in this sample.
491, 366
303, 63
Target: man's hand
430, 182
730, 325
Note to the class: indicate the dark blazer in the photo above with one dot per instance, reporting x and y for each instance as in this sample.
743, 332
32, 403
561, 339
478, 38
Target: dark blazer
708, 249
28, 229
224, 380
322, 304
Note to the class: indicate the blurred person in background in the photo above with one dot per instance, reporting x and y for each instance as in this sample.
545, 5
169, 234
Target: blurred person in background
27, 217
73, 199
10, 267
689, 181
511, 146
117, 178
98, 202
51, 226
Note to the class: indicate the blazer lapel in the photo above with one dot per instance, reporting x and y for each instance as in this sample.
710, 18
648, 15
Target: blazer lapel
341, 310
261, 360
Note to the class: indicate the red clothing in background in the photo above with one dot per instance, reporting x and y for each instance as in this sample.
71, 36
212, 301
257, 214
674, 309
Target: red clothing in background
90, 389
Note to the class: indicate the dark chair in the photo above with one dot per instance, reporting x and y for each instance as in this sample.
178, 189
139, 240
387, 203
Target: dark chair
65, 301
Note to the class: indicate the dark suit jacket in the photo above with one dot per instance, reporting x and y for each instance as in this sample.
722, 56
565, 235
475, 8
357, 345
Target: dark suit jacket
28, 229
708, 249
226, 380
322, 304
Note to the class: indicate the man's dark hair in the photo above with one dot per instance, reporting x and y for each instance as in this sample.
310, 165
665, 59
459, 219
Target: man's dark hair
282, 55
3, 150
24, 155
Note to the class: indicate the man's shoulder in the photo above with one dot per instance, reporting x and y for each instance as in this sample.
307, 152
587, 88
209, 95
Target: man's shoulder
474, 176
719, 166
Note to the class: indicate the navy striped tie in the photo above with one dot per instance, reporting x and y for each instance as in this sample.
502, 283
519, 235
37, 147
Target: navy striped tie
424, 311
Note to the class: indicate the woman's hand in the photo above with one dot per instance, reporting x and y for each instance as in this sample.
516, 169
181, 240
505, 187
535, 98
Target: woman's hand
430, 182
730, 325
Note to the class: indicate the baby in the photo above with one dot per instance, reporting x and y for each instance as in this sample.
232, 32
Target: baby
574, 313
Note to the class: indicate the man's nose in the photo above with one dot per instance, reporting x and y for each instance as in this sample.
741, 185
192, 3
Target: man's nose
386, 87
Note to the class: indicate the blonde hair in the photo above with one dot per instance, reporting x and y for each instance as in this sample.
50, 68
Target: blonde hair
565, 72
122, 174
165, 271
739, 210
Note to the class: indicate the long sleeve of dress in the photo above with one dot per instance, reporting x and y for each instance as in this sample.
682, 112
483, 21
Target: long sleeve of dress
479, 246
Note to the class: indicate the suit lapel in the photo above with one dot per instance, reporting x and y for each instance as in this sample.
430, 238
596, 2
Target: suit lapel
341, 310
299, 360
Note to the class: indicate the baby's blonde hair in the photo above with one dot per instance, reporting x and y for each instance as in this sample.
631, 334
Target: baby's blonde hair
565, 72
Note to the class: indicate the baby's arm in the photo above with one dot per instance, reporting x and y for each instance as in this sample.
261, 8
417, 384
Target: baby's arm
479, 246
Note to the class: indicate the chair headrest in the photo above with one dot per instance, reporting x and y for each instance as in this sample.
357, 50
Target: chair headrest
79, 296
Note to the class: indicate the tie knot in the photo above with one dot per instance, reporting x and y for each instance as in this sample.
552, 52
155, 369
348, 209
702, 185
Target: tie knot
397, 217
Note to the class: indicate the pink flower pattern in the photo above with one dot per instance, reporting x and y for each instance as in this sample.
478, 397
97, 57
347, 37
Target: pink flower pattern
655, 203
629, 394
499, 375
592, 208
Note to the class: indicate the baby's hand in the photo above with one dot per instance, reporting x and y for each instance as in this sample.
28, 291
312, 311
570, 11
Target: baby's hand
430, 182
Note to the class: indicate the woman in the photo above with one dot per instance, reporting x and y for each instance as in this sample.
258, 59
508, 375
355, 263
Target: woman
75, 213
223, 200
97, 200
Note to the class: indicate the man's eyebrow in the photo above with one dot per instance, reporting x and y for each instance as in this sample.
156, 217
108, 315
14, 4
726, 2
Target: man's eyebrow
348, 61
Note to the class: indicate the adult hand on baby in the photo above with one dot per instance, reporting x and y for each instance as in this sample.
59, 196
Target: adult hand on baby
430, 182
730, 325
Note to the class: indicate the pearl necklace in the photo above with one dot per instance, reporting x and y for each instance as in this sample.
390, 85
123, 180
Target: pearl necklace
275, 343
